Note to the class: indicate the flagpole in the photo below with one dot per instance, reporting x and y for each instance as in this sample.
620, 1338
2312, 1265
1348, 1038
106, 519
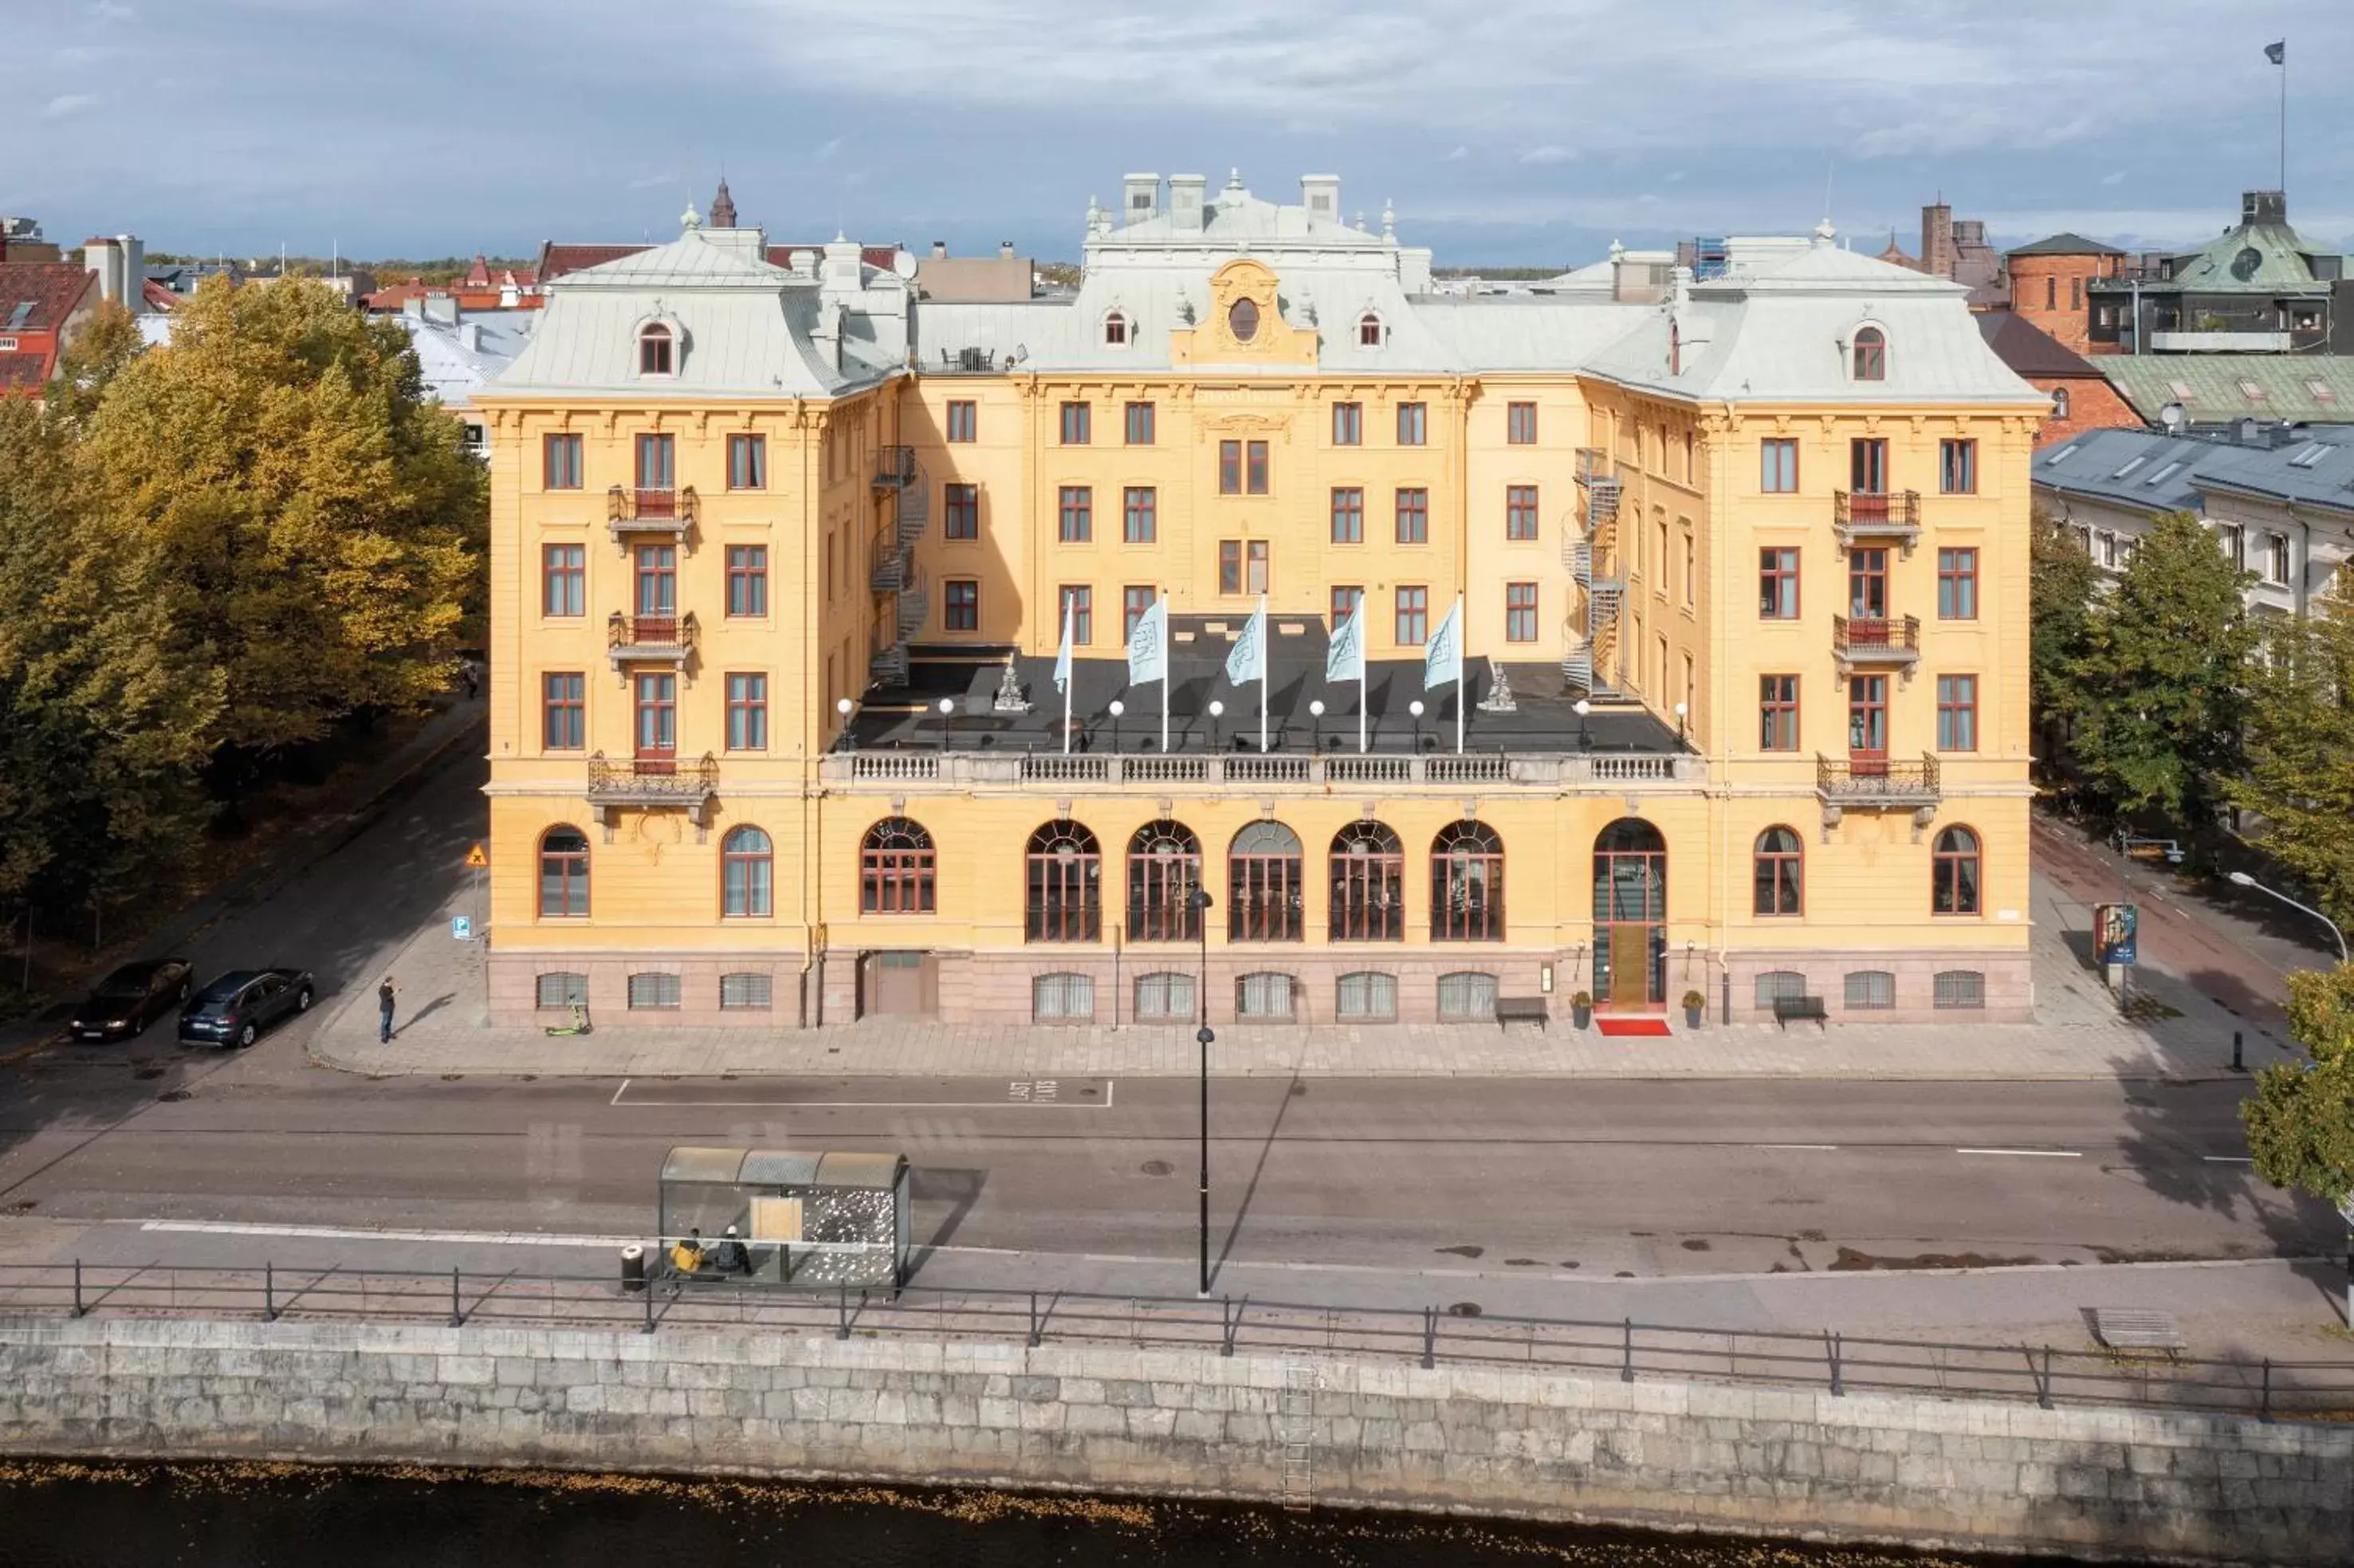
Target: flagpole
2284, 115
1361, 666
1165, 672
1068, 684
1265, 654
1462, 670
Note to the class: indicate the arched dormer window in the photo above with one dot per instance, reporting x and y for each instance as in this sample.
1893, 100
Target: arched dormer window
1870, 354
1116, 329
1369, 330
2059, 403
657, 350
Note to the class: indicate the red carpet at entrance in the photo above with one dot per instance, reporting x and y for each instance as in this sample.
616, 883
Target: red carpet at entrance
1620, 1028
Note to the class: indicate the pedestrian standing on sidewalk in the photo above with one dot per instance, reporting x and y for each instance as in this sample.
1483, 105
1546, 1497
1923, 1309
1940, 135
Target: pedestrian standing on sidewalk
473, 680
384, 996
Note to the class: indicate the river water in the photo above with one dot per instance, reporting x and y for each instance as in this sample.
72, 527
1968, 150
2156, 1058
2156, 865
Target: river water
279, 1516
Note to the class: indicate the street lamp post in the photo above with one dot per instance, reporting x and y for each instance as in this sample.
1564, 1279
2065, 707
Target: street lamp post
1199, 901
846, 740
1315, 725
947, 723
1415, 709
1117, 708
1217, 711
1581, 708
2242, 879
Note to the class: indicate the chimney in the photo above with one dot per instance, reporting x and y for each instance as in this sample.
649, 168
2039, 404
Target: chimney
2264, 207
940, 250
1139, 198
1937, 240
135, 271
469, 336
1005, 250
1320, 194
1185, 193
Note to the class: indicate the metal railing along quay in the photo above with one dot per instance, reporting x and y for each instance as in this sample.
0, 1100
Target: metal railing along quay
1459, 1336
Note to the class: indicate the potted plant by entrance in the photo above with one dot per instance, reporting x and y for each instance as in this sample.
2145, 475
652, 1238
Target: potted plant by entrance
1581, 1009
1693, 1003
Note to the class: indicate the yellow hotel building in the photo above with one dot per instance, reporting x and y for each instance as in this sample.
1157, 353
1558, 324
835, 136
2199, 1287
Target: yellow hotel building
781, 557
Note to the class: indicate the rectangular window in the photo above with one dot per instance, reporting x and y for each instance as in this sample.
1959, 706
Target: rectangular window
1412, 424
564, 572
559, 989
1080, 603
748, 462
962, 513
748, 579
1778, 584
1348, 515
1957, 585
1139, 515
962, 605
1078, 424
1242, 565
1520, 512
1957, 467
1254, 468
1467, 998
1412, 627
1263, 996
1959, 988
656, 466
1230, 467
964, 421
1079, 514
1413, 515
1957, 712
1871, 991
1519, 612
1133, 602
1867, 466
1691, 567
1348, 424
747, 712
1139, 425
2234, 540
1346, 597
1779, 466
1520, 424
745, 993
2276, 562
564, 701
1777, 713
1164, 996
1367, 997
653, 992
560, 463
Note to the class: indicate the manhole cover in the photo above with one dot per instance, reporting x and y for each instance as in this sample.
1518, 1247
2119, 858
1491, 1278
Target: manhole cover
173, 1096
1158, 1168
1464, 1310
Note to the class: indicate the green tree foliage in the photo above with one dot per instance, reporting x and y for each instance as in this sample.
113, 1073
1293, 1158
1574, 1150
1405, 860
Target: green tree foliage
2300, 779
321, 522
2300, 1121
105, 703
2156, 697
108, 342
2059, 612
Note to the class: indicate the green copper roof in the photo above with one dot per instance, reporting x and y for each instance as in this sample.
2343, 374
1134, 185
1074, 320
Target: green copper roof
2315, 389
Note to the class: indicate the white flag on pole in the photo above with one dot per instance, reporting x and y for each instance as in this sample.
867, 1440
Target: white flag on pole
1344, 656
1147, 645
1063, 657
1247, 661
1442, 656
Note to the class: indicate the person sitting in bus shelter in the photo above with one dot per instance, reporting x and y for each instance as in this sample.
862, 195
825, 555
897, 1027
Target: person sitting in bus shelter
686, 1253
729, 1257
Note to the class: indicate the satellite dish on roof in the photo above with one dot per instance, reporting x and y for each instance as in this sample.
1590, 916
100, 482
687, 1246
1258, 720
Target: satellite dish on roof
904, 264
2244, 265
2170, 416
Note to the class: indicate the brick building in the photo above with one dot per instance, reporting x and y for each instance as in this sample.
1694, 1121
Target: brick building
2050, 281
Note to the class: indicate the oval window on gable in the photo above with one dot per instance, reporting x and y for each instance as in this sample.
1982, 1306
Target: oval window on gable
1243, 320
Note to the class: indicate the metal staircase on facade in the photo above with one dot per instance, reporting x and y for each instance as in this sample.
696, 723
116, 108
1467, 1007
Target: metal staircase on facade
897, 472
1585, 666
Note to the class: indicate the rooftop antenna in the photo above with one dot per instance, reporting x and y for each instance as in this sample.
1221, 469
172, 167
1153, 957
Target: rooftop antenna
1830, 167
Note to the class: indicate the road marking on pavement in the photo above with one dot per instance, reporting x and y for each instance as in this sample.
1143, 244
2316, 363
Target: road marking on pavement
2227, 1160
1824, 1148
1022, 1093
620, 1092
2030, 1153
343, 1233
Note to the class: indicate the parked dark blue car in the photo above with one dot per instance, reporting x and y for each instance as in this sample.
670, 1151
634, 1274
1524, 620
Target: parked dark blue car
235, 1009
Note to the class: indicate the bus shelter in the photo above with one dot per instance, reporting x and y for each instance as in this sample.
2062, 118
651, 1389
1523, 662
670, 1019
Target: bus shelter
801, 1219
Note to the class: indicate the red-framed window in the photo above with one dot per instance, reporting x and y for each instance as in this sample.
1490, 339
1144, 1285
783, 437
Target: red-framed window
1777, 583
1778, 873
1348, 514
960, 516
1412, 504
1520, 424
1164, 870
564, 578
1264, 888
1777, 713
1957, 585
1140, 515
1520, 512
1076, 523
1519, 612
748, 580
1367, 868
748, 712
1955, 871
1411, 624
897, 869
1957, 712
563, 873
560, 463
1065, 886
1466, 884
564, 710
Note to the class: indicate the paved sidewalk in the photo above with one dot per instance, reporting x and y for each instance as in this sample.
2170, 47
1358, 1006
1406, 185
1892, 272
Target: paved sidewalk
2079, 1036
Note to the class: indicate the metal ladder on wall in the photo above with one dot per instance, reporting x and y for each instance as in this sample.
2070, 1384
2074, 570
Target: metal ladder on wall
1296, 1424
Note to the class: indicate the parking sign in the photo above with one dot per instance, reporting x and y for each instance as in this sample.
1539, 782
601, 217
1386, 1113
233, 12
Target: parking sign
462, 928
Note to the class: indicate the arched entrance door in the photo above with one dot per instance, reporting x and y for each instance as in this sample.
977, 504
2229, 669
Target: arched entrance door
1630, 915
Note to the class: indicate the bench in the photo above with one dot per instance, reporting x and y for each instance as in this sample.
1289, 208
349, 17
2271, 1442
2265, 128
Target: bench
2134, 1329
1520, 1010
1786, 1008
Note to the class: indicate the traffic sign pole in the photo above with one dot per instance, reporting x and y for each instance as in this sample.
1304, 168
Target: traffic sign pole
478, 862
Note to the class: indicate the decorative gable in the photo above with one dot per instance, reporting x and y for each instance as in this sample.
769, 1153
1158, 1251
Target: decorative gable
1245, 323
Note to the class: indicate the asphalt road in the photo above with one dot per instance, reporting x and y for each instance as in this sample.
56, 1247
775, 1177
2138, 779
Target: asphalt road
1651, 1179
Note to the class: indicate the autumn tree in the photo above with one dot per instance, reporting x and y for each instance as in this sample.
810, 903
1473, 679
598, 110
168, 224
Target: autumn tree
106, 704
2300, 778
321, 521
2155, 698
2300, 1121
108, 341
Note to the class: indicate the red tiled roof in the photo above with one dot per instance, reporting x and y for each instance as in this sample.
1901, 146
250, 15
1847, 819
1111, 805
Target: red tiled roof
158, 297
55, 289
23, 371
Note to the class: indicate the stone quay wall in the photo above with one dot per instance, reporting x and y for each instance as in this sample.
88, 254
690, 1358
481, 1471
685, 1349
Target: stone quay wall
1951, 1473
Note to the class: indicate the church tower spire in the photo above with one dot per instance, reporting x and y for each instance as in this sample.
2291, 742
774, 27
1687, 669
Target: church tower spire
723, 206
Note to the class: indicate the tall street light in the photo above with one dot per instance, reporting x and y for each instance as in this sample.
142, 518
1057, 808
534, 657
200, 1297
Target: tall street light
1117, 708
1199, 902
2242, 879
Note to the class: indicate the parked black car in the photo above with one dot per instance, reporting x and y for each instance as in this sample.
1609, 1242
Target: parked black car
235, 1009
125, 1002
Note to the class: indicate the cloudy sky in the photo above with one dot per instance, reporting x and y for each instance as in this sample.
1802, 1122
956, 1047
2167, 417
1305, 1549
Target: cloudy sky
1513, 131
